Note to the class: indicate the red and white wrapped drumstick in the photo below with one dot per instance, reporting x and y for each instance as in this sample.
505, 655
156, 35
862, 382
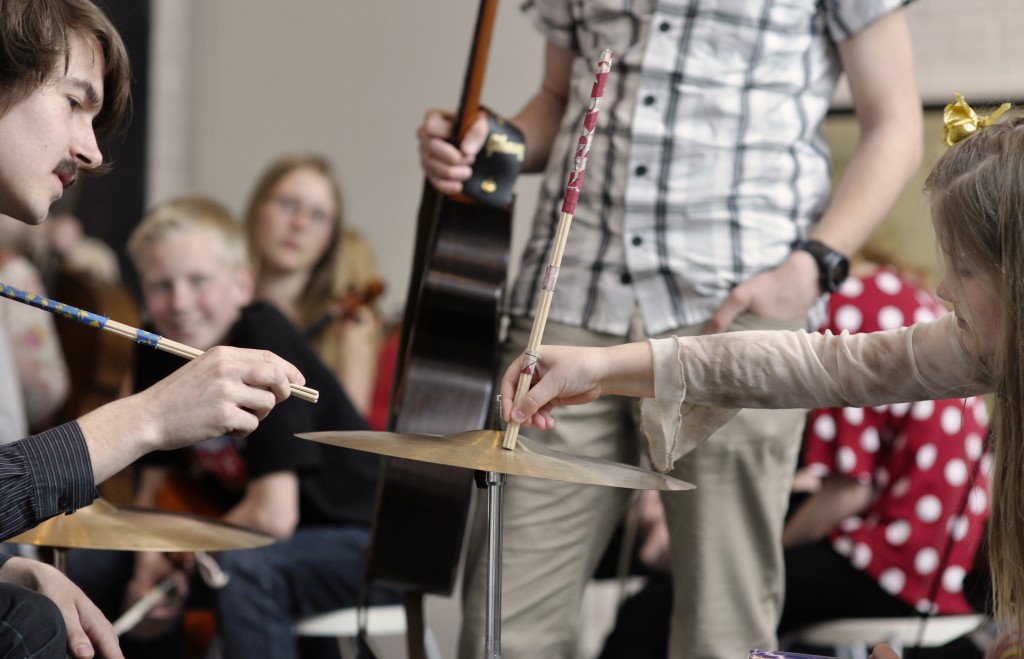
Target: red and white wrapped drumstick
572, 193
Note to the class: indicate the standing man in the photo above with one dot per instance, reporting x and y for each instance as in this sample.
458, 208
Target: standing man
706, 208
64, 82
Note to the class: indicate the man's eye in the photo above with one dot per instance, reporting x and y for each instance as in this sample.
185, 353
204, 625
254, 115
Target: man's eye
198, 280
74, 102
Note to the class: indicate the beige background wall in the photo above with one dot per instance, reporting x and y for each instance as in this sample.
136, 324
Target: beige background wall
238, 82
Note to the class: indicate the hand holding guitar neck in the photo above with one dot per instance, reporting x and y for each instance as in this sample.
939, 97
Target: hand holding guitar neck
572, 193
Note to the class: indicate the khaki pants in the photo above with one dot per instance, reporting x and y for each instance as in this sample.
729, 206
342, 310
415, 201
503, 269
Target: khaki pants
726, 558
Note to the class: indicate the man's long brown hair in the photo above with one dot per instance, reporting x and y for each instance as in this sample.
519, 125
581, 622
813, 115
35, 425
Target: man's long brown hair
35, 37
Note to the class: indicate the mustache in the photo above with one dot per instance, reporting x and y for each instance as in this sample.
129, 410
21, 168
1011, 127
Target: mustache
68, 168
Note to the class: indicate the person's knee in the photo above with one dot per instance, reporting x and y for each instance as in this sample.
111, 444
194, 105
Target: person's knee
30, 624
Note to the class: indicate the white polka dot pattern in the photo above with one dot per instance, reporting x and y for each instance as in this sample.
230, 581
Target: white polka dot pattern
919, 457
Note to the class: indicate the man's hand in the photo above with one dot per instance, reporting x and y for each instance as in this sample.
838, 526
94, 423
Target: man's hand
785, 293
89, 633
225, 391
883, 652
445, 166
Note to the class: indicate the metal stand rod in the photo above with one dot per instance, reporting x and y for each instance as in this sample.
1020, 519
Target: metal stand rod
60, 559
495, 502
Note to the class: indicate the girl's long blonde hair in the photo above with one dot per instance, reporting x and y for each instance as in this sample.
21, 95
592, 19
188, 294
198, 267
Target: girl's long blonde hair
977, 190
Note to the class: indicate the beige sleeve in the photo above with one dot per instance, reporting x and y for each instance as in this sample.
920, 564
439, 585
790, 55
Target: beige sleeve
700, 382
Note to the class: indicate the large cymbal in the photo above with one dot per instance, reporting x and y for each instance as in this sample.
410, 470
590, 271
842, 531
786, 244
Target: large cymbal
103, 525
481, 449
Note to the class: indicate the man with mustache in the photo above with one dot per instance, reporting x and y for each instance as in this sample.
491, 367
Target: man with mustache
64, 83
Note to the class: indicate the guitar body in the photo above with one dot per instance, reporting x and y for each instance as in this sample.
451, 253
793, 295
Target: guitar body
444, 376
445, 385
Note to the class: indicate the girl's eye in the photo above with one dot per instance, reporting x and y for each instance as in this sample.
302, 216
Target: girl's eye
74, 102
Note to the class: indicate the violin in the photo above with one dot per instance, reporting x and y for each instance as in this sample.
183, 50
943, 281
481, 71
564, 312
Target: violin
344, 307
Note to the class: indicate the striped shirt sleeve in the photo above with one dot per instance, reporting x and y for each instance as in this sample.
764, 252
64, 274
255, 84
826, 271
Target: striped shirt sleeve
43, 475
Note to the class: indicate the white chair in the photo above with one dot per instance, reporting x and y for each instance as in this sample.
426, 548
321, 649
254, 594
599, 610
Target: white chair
853, 638
343, 624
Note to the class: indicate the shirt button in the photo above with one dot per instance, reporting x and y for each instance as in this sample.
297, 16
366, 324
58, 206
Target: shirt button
665, 27
626, 278
63, 503
637, 241
640, 170
649, 100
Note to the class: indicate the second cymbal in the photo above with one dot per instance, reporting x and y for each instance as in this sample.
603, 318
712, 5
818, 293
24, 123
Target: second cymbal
481, 449
103, 525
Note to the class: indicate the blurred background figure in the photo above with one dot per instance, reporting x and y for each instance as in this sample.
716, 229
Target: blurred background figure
899, 494
34, 381
320, 275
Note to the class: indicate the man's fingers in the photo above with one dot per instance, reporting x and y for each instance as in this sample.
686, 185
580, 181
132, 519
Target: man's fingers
724, 316
90, 634
475, 137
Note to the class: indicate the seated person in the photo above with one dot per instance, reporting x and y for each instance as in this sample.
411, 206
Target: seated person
317, 500
903, 491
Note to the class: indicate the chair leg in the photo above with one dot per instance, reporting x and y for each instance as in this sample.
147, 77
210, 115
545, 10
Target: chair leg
415, 625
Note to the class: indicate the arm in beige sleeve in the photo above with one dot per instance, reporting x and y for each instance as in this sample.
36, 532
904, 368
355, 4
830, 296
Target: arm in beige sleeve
700, 382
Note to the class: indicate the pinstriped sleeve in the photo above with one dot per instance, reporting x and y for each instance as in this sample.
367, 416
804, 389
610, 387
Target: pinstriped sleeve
43, 475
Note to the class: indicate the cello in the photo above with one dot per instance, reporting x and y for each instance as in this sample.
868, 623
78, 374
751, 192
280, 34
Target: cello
444, 374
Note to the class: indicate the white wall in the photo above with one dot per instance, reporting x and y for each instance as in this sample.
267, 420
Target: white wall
351, 79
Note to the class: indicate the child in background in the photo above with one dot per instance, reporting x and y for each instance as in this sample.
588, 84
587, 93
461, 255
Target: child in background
316, 500
320, 275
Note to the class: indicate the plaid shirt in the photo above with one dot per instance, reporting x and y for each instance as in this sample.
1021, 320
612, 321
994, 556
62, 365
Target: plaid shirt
709, 159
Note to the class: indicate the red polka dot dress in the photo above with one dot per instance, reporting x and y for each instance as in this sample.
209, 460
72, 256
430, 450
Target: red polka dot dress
927, 462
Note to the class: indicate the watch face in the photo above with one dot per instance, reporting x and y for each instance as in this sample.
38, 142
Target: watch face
838, 271
832, 266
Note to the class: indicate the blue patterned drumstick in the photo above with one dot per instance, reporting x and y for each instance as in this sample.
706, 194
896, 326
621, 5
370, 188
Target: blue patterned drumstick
139, 336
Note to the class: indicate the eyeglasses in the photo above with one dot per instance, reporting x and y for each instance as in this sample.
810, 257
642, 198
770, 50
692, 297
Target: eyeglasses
293, 206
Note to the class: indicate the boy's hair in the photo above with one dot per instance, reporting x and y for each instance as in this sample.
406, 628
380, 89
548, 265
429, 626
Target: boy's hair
35, 37
188, 214
326, 281
979, 202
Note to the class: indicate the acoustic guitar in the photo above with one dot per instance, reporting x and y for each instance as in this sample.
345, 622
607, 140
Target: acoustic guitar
444, 374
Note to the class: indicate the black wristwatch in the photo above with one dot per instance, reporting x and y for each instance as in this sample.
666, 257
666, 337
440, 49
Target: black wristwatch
833, 267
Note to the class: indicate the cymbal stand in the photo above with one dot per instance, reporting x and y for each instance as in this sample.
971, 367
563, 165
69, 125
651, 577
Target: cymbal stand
495, 502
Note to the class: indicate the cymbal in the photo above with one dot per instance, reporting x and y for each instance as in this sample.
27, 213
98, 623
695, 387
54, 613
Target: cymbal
481, 449
103, 525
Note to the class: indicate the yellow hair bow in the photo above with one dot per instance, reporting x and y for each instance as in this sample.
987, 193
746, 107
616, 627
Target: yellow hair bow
960, 120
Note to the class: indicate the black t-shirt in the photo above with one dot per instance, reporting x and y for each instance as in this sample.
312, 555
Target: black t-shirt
336, 485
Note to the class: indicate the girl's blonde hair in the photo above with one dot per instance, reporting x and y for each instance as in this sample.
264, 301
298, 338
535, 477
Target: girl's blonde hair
977, 190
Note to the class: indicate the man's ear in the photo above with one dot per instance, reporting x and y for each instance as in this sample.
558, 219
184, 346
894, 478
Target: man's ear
245, 284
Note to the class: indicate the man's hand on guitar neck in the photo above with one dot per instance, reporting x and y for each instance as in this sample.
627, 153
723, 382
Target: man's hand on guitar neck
446, 166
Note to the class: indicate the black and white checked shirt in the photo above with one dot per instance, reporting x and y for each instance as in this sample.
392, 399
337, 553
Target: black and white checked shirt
709, 158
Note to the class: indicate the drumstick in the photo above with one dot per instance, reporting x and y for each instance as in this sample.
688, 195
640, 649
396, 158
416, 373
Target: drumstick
572, 193
139, 336
211, 573
136, 612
